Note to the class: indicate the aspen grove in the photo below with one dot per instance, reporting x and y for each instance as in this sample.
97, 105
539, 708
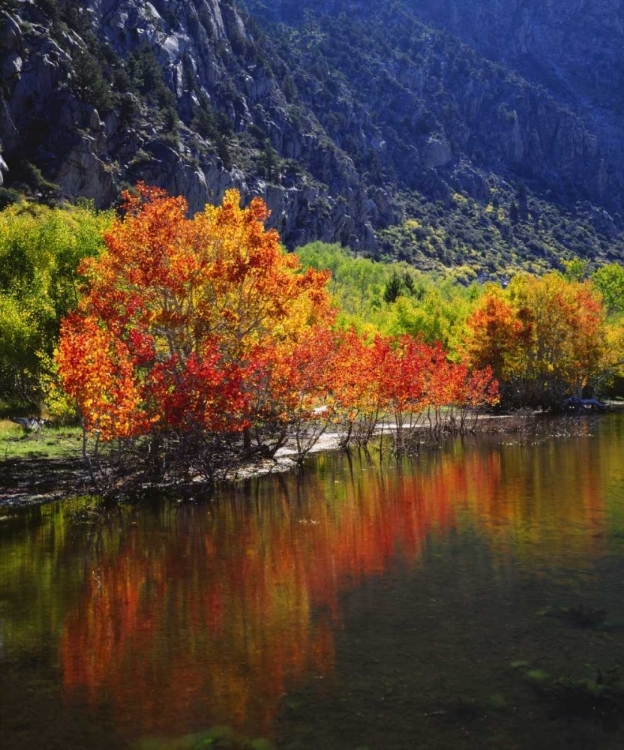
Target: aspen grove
201, 339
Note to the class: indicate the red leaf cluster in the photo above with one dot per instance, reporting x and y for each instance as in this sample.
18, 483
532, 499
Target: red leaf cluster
206, 324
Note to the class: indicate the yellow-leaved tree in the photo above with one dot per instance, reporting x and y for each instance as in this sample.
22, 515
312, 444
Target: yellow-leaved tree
545, 338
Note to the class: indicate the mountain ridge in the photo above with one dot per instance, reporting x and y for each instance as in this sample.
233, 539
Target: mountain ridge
355, 121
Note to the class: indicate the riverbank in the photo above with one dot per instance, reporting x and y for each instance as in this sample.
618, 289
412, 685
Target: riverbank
44, 467
40, 466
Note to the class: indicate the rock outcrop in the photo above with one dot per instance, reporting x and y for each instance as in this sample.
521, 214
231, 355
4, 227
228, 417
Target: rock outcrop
333, 110
209, 60
574, 49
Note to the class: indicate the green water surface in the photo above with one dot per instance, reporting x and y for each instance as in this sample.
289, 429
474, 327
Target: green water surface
421, 603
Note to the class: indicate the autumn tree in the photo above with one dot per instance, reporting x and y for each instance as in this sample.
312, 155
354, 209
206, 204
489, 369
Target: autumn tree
295, 389
178, 316
543, 337
360, 384
404, 379
200, 341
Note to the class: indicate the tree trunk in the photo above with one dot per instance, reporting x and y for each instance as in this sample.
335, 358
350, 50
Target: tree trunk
247, 439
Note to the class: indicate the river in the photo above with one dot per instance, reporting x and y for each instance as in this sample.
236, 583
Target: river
449, 600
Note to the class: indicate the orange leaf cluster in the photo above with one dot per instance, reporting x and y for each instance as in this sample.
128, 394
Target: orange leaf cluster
404, 377
178, 314
206, 324
544, 338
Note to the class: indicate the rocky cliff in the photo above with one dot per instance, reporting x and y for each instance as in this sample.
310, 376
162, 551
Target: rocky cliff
574, 49
351, 118
181, 94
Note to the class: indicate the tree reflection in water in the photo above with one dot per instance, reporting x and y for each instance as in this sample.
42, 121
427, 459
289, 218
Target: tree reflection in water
166, 618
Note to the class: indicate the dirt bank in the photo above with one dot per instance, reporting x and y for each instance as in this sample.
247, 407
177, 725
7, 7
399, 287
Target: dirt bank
29, 481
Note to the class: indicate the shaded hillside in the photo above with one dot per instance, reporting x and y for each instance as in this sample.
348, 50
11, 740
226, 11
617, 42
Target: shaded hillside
574, 48
357, 122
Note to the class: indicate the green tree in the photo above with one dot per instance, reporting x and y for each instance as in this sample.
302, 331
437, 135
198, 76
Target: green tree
576, 269
609, 280
90, 83
40, 250
394, 287
269, 162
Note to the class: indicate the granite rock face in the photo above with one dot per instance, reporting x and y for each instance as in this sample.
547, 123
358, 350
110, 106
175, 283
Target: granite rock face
206, 54
331, 110
534, 93
574, 49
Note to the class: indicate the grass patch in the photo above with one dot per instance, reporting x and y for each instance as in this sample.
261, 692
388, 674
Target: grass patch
50, 442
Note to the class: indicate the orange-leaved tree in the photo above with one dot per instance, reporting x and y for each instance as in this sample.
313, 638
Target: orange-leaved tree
543, 337
402, 378
295, 387
178, 315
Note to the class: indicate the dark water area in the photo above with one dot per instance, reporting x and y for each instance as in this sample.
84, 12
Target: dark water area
451, 600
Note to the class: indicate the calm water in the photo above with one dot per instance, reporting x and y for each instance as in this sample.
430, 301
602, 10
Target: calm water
361, 606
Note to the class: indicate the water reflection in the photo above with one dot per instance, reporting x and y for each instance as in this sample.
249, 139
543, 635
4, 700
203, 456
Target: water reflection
179, 617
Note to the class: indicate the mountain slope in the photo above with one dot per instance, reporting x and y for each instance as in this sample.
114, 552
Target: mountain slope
357, 122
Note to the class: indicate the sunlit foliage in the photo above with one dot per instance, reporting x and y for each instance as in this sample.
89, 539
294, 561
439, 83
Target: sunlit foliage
393, 298
40, 250
578, 347
200, 329
609, 280
545, 338
179, 316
